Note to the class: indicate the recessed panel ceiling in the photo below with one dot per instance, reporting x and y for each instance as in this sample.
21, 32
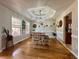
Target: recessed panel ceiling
21, 6
41, 13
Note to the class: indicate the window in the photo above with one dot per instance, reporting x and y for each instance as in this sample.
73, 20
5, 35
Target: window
16, 25
27, 27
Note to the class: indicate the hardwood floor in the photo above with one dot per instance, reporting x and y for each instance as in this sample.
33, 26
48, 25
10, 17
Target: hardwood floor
26, 50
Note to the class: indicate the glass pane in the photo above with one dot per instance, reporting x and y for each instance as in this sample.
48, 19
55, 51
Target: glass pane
16, 21
27, 28
15, 31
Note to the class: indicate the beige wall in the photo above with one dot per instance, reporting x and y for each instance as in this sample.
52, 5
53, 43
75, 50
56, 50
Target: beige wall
5, 21
60, 31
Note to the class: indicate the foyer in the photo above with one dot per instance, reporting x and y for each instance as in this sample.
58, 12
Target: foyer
38, 29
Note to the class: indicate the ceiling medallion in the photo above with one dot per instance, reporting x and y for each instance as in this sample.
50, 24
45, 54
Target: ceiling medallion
41, 13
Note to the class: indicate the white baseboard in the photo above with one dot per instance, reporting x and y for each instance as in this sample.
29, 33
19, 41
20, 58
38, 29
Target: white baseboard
20, 40
68, 49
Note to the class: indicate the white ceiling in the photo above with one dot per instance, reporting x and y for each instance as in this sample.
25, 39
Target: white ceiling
21, 6
40, 13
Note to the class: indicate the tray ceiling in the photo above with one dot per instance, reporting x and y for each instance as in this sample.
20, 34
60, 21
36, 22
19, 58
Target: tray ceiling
41, 13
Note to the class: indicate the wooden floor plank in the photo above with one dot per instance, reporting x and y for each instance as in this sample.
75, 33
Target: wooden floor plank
26, 50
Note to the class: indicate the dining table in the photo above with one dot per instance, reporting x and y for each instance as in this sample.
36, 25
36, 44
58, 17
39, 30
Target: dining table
40, 38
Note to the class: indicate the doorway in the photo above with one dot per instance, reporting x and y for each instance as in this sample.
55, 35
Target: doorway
68, 29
